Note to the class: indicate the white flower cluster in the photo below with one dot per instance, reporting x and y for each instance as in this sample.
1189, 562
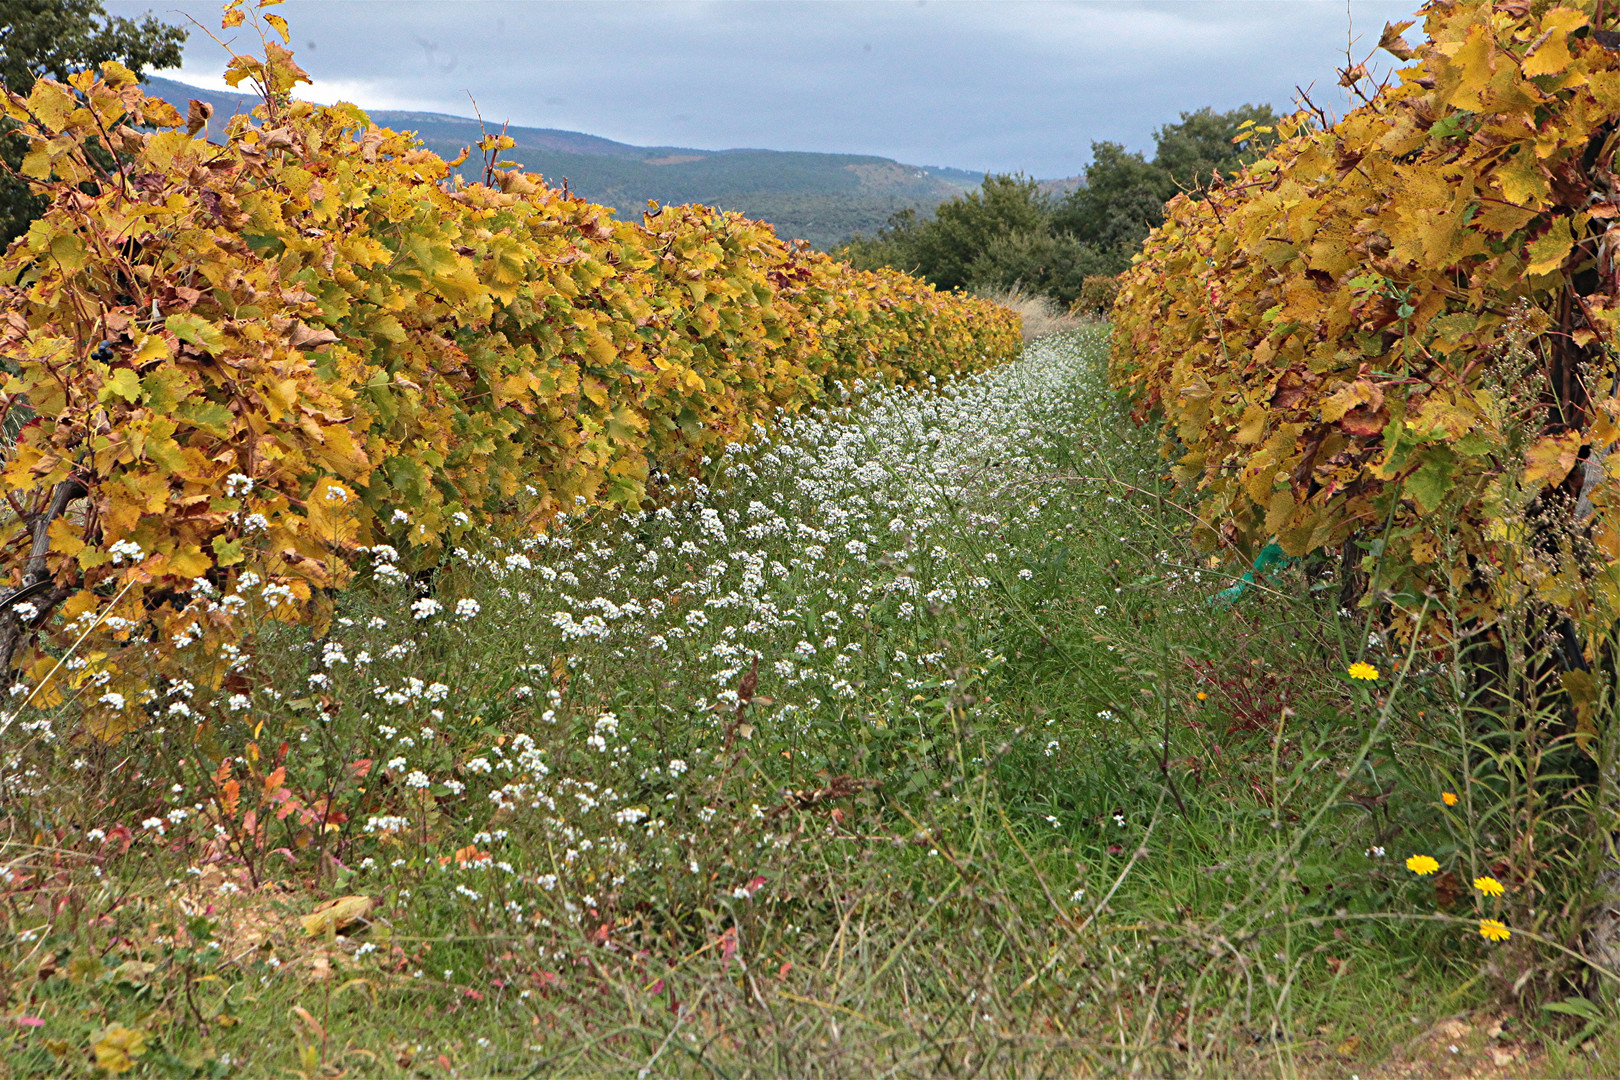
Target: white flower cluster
819, 581
126, 550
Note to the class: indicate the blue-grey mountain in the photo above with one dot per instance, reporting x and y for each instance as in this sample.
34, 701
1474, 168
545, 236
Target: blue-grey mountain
822, 198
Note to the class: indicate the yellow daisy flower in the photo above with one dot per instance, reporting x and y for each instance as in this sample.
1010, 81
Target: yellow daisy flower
1489, 886
1491, 930
1422, 864
1449, 798
1363, 670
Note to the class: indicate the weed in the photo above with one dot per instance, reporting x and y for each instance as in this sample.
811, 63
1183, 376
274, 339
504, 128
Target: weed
904, 750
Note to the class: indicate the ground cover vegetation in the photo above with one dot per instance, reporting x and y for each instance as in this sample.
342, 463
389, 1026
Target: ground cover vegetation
921, 741
1038, 314
1011, 233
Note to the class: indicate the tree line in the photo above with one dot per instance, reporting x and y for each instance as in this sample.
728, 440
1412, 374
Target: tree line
54, 39
1011, 232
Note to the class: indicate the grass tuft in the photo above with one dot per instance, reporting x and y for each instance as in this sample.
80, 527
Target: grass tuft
1040, 314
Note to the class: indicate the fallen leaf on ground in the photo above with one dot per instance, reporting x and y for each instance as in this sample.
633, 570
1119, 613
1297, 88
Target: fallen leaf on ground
336, 914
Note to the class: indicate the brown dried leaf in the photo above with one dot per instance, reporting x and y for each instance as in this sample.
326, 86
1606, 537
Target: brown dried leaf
198, 113
303, 336
1393, 43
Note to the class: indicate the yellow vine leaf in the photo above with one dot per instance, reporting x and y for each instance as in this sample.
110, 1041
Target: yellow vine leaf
1549, 459
1472, 67
1553, 56
1549, 251
116, 1048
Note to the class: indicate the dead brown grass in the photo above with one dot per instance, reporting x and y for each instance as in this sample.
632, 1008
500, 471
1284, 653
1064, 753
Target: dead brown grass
1040, 314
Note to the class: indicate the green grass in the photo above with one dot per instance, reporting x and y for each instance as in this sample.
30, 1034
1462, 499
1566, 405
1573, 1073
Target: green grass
975, 819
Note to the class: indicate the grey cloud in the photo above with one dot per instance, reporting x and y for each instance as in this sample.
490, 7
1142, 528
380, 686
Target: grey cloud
1000, 86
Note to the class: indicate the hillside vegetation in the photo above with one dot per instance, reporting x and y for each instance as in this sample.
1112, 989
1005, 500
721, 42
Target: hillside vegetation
821, 198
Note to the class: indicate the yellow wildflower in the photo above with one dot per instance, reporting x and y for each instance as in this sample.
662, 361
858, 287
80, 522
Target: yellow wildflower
1365, 671
1449, 798
1489, 886
1422, 864
1491, 930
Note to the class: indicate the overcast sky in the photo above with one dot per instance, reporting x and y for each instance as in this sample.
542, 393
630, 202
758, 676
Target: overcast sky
992, 85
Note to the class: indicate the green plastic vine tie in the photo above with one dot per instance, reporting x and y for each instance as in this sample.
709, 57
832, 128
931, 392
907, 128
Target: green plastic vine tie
1270, 557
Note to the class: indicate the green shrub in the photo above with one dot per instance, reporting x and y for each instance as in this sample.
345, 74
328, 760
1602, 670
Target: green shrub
1097, 295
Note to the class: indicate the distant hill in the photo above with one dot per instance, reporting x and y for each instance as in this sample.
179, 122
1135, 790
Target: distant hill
822, 198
